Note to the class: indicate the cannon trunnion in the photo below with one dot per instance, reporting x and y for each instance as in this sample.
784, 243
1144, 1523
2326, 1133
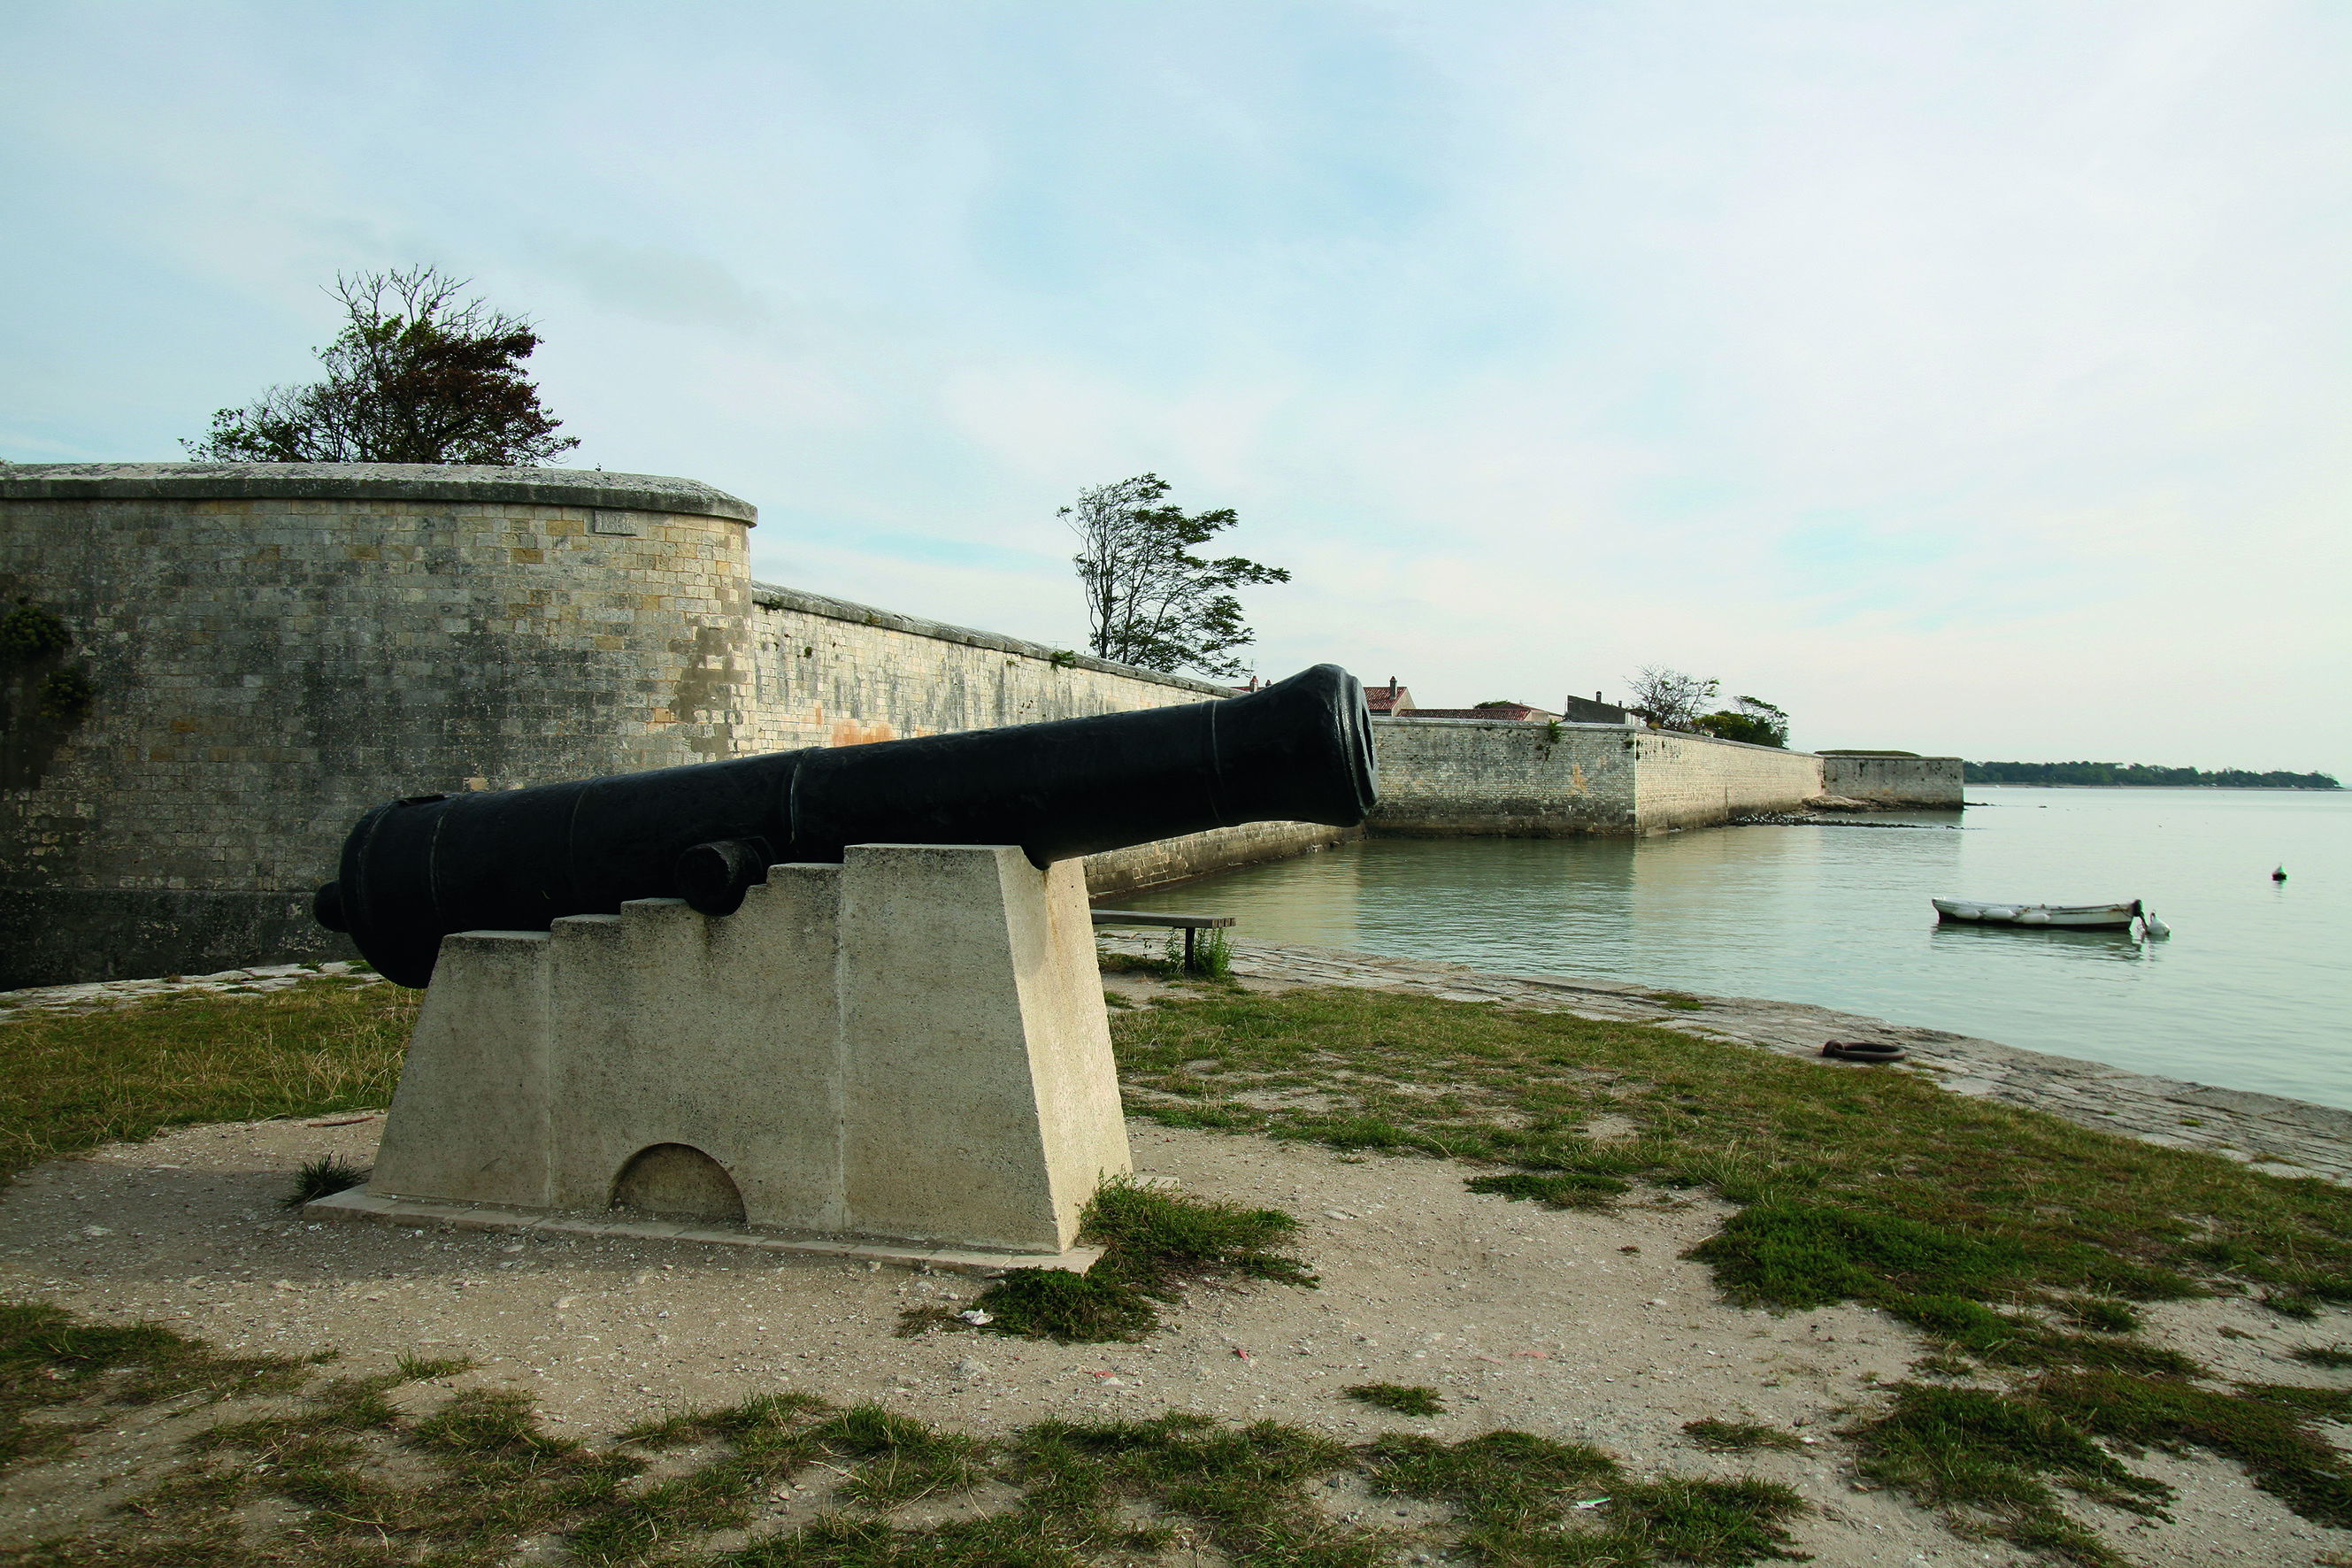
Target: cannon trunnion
420, 868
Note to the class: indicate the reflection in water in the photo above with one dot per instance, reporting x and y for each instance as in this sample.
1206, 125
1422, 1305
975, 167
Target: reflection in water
2059, 941
2251, 992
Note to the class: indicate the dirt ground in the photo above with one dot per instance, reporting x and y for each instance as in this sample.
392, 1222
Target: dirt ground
1583, 1326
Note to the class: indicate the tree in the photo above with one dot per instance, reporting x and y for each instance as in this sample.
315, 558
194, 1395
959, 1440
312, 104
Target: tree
1668, 699
1149, 600
1749, 719
415, 377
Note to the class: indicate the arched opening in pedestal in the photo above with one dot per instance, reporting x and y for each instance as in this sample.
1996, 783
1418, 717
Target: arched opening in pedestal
678, 1181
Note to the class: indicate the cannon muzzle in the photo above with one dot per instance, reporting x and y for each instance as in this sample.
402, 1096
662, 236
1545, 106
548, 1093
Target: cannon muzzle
416, 870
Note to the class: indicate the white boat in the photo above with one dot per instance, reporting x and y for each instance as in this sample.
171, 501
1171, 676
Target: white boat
2072, 917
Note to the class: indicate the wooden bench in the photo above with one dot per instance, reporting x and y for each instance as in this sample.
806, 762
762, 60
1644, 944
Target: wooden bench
1189, 925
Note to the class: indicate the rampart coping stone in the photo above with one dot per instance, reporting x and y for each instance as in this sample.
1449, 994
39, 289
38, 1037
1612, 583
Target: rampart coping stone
475, 484
776, 596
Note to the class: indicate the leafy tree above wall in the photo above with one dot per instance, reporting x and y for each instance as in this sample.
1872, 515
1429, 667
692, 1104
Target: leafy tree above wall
417, 375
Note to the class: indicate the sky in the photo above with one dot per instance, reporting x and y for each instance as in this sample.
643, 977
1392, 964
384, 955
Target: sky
1966, 378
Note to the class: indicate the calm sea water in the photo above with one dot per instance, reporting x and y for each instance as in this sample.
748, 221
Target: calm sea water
2254, 990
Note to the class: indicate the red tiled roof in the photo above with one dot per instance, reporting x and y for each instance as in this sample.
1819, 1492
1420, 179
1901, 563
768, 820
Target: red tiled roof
1393, 698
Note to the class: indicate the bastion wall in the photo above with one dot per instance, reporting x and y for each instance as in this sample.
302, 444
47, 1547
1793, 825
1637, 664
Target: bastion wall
1694, 781
1927, 782
266, 651
1473, 777
833, 673
271, 650
1499, 778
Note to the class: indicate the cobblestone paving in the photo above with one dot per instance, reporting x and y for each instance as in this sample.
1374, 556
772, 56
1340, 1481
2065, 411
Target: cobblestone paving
2284, 1137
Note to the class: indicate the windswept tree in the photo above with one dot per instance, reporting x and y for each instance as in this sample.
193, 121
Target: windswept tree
1748, 719
1149, 600
1668, 699
417, 375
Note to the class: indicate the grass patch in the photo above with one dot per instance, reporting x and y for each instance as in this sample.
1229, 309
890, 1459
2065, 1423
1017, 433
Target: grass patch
2103, 1317
1054, 1304
1212, 954
1527, 1499
323, 1177
49, 1358
1133, 963
71, 1082
1556, 1189
2331, 1356
1855, 1186
1241, 1490
1677, 1001
1155, 1242
329, 1472
2008, 1237
2266, 1429
1740, 1436
1849, 1171
1405, 1399
2015, 1241
1990, 1462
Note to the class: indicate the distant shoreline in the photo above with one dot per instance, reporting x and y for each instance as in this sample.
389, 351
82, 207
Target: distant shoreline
2265, 789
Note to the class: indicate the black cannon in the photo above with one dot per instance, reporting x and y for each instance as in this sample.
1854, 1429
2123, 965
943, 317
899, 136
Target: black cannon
417, 870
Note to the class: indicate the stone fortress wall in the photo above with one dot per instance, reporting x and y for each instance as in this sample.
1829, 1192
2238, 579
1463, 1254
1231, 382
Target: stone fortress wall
1690, 781
1444, 778
832, 673
274, 648
1480, 777
271, 650
1893, 782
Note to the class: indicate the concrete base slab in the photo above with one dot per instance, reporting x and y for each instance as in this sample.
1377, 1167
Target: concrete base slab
359, 1205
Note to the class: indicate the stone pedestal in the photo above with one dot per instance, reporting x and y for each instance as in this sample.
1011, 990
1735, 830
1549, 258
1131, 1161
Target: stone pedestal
904, 1056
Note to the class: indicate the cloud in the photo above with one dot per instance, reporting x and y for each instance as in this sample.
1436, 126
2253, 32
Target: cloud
1964, 377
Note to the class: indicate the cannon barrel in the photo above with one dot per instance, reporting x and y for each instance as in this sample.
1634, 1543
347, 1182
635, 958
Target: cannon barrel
416, 870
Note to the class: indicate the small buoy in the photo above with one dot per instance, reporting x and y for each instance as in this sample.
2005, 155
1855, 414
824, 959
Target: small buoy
2153, 928
2279, 875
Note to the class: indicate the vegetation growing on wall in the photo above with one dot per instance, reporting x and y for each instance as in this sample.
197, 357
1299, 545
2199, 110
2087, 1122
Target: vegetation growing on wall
29, 633
2140, 773
41, 695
